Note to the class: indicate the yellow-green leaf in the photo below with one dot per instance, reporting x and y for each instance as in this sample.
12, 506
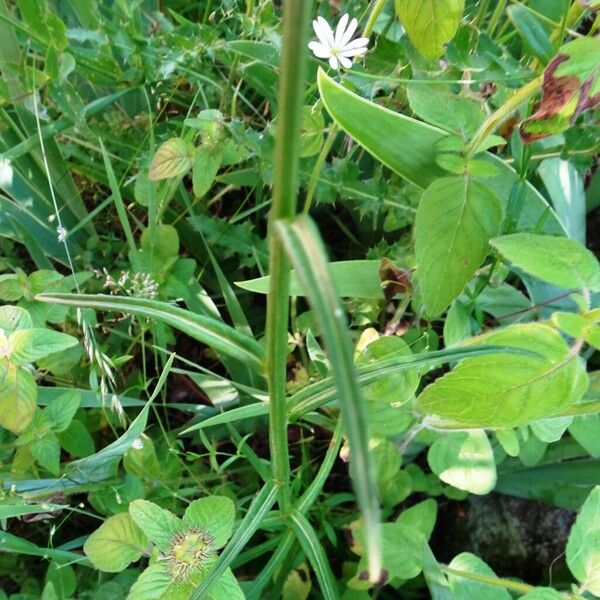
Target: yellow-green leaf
18, 394
430, 24
508, 390
173, 158
117, 543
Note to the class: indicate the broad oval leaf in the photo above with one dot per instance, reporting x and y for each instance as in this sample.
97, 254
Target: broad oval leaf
508, 390
430, 24
464, 588
18, 393
172, 158
465, 460
557, 260
117, 543
456, 218
151, 584
410, 148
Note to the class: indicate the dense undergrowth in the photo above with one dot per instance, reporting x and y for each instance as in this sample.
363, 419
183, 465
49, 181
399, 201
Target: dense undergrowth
181, 418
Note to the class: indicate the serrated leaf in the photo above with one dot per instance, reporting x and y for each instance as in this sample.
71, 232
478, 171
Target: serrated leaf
465, 460
18, 394
455, 220
558, 260
214, 514
586, 431
583, 547
115, 544
151, 584
28, 345
570, 86
158, 524
172, 158
508, 390
430, 24
61, 410
395, 387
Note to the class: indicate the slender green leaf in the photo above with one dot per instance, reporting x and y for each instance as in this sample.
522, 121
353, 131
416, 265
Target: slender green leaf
316, 555
305, 250
351, 278
213, 333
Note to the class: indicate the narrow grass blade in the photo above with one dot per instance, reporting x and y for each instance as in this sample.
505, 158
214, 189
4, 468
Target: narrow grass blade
317, 394
316, 555
100, 465
261, 505
304, 248
266, 574
118, 200
219, 336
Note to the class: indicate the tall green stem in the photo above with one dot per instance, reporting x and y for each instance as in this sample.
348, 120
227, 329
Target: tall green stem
296, 15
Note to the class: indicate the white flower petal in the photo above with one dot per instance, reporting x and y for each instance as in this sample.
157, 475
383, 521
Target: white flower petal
333, 62
319, 50
323, 31
319, 32
349, 33
340, 31
346, 62
357, 43
353, 52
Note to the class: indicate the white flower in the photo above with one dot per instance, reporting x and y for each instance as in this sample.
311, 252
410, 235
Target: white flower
337, 47
62, 233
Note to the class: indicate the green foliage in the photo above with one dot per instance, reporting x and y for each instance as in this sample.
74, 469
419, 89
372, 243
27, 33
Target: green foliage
179, 349
455, 221
583, 549
430, 24
509, 390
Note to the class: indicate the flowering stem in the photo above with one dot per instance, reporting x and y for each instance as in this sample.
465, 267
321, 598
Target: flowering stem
296, 16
